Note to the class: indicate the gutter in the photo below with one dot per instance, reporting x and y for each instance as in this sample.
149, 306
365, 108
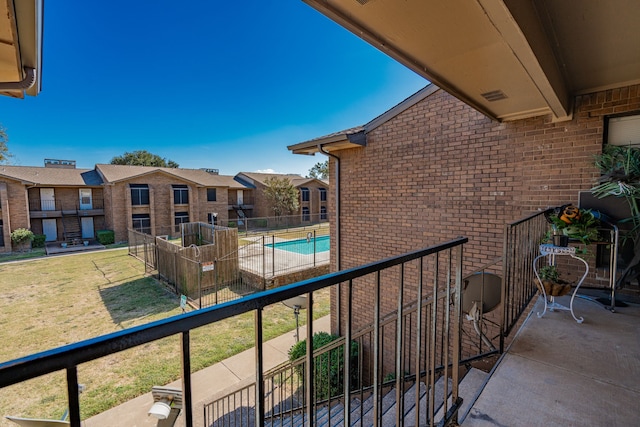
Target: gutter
24, 84
322, 150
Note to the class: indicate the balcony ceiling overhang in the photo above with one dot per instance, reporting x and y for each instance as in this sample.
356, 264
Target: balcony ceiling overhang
21, 24
509, 59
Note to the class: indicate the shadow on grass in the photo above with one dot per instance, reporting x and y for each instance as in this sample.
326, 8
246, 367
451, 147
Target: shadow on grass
137, 299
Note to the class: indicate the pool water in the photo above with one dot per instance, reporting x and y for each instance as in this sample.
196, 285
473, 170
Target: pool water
302, 246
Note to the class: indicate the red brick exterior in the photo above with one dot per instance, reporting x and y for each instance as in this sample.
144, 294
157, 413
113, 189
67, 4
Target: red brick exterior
440, 169
161, 208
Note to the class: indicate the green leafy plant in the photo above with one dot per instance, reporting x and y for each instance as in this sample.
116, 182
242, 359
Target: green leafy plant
328, 367
620, 177
105, 237
21, 235
582, 225
553, 285
38, 241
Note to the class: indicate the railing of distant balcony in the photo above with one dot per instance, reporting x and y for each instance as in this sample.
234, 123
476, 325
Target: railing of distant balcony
38, 205
285, 222
521, 242
447, 265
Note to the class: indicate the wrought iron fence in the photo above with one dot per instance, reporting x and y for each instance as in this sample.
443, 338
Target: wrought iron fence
70, 357
521, 242
407, 352
249, 225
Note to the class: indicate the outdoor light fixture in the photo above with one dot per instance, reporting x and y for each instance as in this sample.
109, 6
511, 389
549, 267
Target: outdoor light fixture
167, 404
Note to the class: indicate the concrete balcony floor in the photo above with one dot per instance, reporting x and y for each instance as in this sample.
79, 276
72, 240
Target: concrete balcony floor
561, 373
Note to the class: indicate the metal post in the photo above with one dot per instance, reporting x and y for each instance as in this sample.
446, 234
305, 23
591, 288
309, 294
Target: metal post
186, 380
264, 267
259, 371
74, 399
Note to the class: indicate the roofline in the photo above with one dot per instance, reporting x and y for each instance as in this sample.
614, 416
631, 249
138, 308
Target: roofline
344, 140
412, 100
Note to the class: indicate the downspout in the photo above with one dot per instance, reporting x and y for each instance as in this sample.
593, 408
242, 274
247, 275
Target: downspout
24, 84
338, 241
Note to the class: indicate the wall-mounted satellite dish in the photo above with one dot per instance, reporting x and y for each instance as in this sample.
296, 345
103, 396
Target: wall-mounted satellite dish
481, 293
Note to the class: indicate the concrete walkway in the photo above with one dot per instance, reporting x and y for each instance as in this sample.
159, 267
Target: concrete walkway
207, 384
561, 373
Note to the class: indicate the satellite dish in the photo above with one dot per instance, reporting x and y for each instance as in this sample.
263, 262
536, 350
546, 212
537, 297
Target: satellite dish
481, 293
299, 302
487, 286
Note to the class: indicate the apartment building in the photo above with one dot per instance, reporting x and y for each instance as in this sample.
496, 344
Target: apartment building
313, 194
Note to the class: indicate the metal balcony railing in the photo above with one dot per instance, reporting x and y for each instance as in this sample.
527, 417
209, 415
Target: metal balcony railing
437, 267
38, 205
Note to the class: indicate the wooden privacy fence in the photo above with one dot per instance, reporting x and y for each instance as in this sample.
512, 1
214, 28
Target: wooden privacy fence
206, 264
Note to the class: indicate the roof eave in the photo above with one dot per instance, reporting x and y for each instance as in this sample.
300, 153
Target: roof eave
341, 141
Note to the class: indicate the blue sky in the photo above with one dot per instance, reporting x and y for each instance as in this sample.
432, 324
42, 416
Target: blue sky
204, 83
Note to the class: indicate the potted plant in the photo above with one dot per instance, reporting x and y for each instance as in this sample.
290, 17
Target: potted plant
553, 285
620, 177
575, 223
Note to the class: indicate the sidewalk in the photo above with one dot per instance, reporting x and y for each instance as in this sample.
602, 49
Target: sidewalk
207, 384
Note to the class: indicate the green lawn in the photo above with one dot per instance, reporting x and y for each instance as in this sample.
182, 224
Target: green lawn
59, 300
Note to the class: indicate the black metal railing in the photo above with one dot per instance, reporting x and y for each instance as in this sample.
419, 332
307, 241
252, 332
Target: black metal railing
409, 265
521, 242
39, 205
412, 349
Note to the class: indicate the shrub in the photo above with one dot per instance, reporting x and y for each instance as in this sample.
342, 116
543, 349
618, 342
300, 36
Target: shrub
232, 224
21, 235
328, 367
38, 241
105, 237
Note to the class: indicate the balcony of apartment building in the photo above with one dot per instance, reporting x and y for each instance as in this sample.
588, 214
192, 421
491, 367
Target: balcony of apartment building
458, 345
52, 208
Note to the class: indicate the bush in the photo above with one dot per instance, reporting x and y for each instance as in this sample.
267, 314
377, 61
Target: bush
232, 224
38, 241
328, 367
105, 237
21, 235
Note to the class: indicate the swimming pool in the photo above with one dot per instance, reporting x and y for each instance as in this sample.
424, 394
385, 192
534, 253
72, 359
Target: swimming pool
302, 246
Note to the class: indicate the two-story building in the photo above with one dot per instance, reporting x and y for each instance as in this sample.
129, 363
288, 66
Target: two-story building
312, 201
69, 204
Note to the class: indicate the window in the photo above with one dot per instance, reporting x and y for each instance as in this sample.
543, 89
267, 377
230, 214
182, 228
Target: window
212, 219
211, 194
304, 191
1, 234
139, 194
181, 218
305, 214
180, 195
323, 194
624, 130
323, 212
142, 223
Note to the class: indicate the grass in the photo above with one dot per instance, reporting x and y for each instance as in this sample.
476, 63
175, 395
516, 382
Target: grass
54, 301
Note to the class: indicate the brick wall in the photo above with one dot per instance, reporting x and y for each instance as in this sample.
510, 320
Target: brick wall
161, 208
440, 169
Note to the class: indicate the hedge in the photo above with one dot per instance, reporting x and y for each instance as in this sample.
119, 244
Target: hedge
106, 237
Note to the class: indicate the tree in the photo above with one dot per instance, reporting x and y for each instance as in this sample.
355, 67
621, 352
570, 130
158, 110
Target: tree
320, 170
143, 158
4, 150
281, 195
